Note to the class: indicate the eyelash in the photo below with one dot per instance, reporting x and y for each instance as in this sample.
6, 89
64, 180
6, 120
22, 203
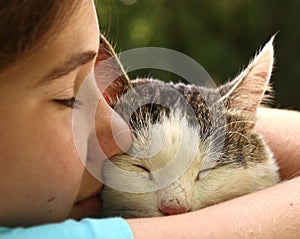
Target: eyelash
70, 103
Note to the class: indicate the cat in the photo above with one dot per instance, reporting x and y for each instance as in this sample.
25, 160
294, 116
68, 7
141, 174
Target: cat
218, 154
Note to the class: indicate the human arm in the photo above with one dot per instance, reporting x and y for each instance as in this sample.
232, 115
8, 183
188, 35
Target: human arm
281, 130
270, 213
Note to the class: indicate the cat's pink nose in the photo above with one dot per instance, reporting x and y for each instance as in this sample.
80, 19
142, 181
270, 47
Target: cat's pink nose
169, 210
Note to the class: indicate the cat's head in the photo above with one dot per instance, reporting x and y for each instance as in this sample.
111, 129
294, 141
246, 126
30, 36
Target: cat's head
215, 159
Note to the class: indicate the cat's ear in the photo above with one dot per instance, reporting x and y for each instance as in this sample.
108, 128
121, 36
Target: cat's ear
247, 90
110, 75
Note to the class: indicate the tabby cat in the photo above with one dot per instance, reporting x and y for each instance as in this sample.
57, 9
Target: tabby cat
192, 146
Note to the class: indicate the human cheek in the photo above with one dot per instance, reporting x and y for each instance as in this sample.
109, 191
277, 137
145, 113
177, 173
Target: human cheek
59, 144
40, 170
58, 168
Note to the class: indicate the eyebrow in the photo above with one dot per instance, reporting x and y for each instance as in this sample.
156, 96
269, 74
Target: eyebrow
70, 65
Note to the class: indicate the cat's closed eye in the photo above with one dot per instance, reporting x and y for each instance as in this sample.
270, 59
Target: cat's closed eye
202, 173
145, 169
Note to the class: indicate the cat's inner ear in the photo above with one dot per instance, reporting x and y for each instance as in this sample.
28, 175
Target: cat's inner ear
247, 90
110, 75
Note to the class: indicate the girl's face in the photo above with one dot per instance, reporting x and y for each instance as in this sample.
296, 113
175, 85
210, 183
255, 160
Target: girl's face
42, 178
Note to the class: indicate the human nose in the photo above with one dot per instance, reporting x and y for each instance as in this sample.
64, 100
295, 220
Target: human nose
113, 133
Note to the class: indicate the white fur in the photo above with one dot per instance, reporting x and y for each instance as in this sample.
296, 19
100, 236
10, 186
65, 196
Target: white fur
179, 186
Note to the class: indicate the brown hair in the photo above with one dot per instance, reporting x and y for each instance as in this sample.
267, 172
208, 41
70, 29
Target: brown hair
24, 25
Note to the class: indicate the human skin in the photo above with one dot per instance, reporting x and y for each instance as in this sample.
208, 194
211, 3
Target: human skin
271, 213
281, 131
42, 178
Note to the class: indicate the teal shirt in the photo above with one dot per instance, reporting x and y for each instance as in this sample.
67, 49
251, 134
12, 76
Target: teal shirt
111, 228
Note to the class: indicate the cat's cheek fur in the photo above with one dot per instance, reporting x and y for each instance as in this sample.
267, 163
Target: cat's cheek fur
227, 183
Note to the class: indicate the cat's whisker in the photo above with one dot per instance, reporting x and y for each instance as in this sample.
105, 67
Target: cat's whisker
240, 134
215, 142
222, 114
220, 145
224, 133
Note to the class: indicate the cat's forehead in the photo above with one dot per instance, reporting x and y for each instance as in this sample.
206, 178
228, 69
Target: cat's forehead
150, 100
170, 95
170, 90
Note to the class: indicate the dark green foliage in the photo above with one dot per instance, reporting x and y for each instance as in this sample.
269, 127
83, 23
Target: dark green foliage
221, 35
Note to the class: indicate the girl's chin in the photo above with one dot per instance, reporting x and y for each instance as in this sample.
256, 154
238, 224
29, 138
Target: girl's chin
87, 208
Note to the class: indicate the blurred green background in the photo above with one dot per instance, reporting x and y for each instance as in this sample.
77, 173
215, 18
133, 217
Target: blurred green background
221, 35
